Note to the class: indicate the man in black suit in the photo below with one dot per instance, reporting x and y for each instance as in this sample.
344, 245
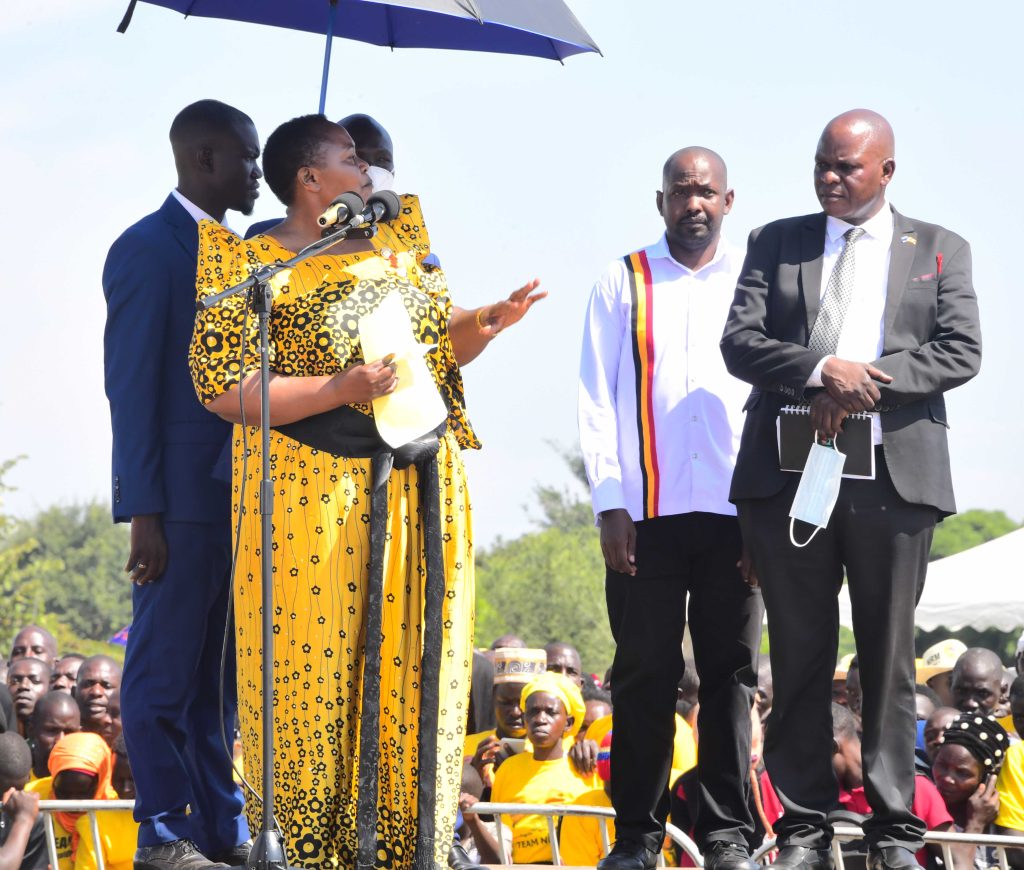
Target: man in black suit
906, 333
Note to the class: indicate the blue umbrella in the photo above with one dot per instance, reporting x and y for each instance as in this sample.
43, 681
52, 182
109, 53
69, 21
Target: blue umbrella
536, 28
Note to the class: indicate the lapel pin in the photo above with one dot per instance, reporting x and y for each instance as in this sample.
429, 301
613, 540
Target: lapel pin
908, 239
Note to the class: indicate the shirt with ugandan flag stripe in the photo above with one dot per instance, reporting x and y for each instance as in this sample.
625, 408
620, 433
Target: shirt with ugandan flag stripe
659, 416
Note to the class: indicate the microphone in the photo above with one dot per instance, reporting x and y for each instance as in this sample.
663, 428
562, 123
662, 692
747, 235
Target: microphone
384, 205
341, 209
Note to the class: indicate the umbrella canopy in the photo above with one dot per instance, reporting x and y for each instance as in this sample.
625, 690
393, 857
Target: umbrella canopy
536, 28
978, 588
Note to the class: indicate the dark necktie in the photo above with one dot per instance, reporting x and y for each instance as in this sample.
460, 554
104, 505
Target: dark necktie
829, 325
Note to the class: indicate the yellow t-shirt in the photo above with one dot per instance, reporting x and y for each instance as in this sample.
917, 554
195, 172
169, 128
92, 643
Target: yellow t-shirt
44, 788
523, 780
119, 833
580, 839
1007, 723
1010, 786
684, 747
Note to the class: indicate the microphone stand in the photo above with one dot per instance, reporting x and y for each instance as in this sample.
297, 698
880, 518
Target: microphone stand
268, 847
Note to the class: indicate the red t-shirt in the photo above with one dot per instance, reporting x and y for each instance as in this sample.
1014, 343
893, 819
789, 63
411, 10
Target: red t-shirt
928, 806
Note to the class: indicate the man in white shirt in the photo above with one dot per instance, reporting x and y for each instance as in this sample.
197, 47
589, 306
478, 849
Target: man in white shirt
659, 420
166, 449
856, 309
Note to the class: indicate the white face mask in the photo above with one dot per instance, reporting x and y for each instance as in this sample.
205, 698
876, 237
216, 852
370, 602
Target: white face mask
818, 491
381, 178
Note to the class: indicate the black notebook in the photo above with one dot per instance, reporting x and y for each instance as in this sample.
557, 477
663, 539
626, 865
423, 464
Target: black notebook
796, 437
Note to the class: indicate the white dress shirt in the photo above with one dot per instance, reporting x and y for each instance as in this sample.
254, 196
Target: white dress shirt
197, 213
687, 420
861, 335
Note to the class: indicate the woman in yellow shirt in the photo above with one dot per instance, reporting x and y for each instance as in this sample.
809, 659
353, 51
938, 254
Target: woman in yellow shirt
553, 707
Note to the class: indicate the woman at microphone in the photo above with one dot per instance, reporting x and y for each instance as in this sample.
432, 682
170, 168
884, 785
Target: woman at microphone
361, 532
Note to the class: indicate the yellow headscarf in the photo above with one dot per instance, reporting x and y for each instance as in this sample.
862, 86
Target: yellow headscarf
562, 688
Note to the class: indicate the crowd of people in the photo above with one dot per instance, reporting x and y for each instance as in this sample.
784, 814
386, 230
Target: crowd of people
60, 739
539, 732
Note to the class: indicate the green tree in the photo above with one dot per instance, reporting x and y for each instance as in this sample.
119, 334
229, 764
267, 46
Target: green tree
966, 530
20, 589
549, 584
76, 556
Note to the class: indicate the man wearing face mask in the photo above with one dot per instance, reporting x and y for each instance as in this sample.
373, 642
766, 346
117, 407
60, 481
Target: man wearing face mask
374, 147
854, 309
659, 420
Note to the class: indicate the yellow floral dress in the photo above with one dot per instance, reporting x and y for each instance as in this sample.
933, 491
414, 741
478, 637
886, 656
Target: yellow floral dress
321, 550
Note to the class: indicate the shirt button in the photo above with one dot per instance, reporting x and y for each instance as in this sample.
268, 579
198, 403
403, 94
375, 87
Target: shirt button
693, 455
693, 419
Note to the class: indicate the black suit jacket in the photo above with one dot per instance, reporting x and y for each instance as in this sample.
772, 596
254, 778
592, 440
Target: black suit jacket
931, 343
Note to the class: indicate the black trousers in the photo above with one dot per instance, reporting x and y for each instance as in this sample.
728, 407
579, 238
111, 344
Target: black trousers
882, 542
688, 556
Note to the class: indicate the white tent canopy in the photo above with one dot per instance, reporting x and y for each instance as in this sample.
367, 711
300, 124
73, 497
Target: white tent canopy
978, 588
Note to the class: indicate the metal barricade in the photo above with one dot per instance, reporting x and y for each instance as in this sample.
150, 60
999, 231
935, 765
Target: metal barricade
90, 808
553, 811
943, 839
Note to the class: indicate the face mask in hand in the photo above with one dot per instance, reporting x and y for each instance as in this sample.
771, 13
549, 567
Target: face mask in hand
381, 178
818, 491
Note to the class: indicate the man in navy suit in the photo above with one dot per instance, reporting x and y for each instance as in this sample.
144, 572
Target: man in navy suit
166, 448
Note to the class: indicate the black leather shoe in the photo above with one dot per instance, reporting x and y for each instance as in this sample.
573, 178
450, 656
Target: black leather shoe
628, 855
891, 858
723, 855
458, 859
176, 855
236, 856
802, 858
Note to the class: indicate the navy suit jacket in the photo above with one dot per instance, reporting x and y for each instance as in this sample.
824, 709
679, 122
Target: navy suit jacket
167, 448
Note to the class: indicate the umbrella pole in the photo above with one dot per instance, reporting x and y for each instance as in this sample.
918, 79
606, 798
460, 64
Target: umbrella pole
327, 54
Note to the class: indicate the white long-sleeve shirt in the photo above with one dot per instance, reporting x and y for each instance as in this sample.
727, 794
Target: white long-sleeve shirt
659, 416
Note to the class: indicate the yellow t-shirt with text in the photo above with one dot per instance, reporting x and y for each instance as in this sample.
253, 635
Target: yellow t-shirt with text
523, 780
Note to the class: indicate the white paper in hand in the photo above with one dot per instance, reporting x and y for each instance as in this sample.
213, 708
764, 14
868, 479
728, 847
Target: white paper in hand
416, 406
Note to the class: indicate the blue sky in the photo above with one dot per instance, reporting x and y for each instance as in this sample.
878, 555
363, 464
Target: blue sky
524, 167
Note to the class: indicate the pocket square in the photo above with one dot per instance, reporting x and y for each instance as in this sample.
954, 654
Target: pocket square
931, 276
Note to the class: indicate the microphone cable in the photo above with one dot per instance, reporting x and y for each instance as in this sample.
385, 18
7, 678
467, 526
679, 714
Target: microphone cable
229, 620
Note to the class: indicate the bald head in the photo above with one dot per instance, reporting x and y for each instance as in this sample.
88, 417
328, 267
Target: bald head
198, 123
694, 199
853, 164
866, 126
34, 642
977, 681
684, 158
54, 704
564, 658
372, 141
